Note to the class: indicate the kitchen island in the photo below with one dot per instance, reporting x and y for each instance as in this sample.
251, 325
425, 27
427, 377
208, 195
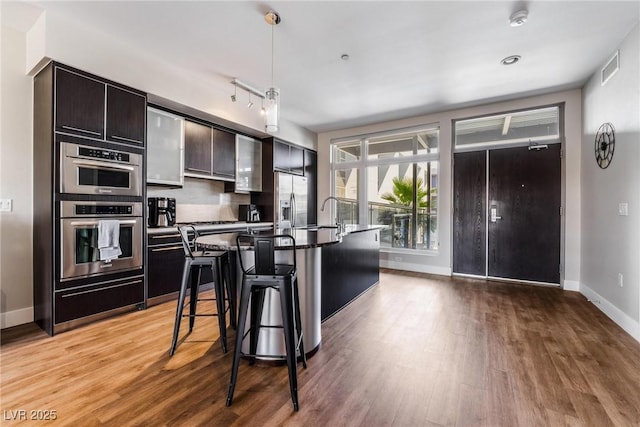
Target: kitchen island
322, 279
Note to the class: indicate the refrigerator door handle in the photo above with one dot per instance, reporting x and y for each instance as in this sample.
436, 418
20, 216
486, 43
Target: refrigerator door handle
294, 210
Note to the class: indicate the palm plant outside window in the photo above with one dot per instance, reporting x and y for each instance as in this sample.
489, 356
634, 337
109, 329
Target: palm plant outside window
390, 179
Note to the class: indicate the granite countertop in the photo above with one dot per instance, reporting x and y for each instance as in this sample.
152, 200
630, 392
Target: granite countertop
306, 238
203, 227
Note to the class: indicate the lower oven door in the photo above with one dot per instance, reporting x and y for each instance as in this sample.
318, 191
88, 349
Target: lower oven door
80, 255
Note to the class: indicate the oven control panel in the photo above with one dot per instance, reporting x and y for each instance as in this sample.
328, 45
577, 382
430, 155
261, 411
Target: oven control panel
71, 209
94, 209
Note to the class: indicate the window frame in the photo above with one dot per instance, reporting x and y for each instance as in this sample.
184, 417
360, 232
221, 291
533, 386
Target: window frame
364, 162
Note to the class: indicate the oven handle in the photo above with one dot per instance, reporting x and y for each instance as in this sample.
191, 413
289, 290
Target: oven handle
103, 164
83, 223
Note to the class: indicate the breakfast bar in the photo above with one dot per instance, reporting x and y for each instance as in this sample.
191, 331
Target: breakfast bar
312, 275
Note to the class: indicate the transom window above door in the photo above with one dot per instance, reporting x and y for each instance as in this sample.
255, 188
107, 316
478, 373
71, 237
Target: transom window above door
535, 126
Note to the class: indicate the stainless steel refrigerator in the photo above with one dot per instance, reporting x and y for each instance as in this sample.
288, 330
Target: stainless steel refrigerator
290, 200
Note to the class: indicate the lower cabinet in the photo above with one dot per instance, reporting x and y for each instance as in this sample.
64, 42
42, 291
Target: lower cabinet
348, 269
83, 301
165, 263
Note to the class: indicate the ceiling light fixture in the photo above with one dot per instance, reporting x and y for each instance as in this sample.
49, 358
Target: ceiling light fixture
510, 60
270, 99
272, 95
518, 18
235, 94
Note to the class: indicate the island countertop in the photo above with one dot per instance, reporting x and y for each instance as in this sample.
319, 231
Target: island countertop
306, 238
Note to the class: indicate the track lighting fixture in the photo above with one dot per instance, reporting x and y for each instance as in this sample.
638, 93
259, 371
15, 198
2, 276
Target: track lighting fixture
269, 99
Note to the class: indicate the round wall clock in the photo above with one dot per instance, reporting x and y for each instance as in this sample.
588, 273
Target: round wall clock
604, 145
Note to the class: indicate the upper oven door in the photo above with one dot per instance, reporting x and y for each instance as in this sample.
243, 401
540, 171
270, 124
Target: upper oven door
91, 170
80, 255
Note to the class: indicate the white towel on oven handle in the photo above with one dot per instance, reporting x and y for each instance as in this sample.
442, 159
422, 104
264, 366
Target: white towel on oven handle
109, 239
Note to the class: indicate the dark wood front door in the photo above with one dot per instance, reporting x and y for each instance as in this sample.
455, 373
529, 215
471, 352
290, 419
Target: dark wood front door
520, 217
470, 213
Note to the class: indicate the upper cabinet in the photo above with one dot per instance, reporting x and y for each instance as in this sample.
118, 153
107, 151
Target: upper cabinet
165, 147
197, 149
79, 104
248, 164
209, 153
80, 108
125, 113
288, 158
224, 154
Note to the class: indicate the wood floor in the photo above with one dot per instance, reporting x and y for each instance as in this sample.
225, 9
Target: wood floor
415, 350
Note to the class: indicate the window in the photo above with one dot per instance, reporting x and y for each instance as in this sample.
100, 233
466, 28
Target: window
390, 179
539, 125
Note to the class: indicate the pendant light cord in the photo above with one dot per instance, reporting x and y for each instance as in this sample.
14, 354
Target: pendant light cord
272, 52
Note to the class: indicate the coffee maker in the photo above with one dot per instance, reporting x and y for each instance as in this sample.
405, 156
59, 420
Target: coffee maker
162, 211
249, 213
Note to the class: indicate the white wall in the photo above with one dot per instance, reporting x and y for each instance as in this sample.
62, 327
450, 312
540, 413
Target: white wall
441, 263
16, 153
611, 243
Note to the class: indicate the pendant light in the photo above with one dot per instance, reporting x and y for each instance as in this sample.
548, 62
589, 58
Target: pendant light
272, 94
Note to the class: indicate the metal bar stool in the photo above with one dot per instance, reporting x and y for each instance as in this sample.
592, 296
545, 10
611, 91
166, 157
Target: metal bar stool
194, 261
266, 274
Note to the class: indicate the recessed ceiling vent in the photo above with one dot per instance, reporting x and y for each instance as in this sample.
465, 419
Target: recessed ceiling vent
612, 67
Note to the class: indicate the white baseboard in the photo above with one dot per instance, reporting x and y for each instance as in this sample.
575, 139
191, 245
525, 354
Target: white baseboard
16, 317
571, 285
630, 325
418, 268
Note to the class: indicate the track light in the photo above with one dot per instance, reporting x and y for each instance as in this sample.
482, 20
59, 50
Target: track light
249, 104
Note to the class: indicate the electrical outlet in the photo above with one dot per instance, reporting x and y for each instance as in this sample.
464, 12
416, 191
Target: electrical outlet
620, 280
6, 205
623, 209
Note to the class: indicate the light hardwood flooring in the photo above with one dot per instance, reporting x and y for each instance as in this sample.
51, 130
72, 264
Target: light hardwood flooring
415, 350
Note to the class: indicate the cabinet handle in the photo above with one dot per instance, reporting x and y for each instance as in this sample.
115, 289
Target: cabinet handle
122, 138
90, 132
198, 170
101, 289
165, 236
170, 248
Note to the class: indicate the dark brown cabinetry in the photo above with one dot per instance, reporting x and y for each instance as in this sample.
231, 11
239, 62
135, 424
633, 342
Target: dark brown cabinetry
72, 107
80, 108
80, 104
288, 158
197, 148
348, 269
209, 152
165, 263
126, 114
97, 298
279, 156
311, 172
224, 154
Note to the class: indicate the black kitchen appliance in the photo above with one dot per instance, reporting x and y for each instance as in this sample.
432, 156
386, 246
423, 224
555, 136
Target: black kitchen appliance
162, 211
249, 213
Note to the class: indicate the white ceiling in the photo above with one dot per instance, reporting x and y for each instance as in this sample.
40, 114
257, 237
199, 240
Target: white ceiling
406, 58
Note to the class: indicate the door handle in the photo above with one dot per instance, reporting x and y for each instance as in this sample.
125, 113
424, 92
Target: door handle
494, 214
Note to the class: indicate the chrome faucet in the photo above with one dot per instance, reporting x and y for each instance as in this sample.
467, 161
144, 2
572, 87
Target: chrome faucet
337, 220
326, 200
